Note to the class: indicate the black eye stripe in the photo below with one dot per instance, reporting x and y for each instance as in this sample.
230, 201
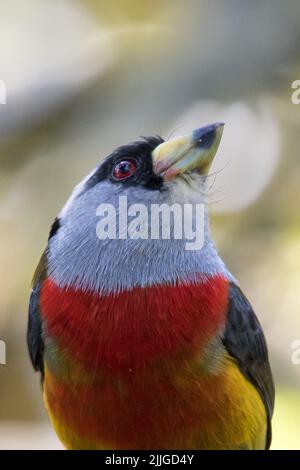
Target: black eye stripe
140, 152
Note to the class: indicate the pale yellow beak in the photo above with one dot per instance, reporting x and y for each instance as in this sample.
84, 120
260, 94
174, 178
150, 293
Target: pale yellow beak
194, 152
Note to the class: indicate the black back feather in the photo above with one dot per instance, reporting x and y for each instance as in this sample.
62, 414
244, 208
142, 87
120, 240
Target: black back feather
245, 341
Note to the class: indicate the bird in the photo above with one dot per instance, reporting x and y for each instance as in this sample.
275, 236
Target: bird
141, 343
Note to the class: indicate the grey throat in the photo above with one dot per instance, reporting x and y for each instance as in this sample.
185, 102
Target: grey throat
77, 258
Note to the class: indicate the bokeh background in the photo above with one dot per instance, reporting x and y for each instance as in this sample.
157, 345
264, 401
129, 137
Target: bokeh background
85, 76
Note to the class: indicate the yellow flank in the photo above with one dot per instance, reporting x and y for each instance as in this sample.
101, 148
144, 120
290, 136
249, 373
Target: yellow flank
234, 416
240, 415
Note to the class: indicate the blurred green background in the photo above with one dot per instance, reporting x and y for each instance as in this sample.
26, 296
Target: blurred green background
85, 76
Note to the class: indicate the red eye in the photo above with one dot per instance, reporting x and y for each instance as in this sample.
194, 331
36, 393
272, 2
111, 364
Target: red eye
124, 169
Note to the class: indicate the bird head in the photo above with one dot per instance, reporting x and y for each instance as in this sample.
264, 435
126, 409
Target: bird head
135, 177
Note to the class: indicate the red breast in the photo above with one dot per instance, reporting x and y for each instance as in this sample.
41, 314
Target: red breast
136, 327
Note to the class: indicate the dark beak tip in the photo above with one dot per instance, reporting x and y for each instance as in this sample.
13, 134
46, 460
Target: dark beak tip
205, 136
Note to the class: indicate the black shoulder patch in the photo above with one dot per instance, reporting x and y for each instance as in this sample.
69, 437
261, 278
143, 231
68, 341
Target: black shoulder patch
54, 228
245, 341
35, 341
34, 331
